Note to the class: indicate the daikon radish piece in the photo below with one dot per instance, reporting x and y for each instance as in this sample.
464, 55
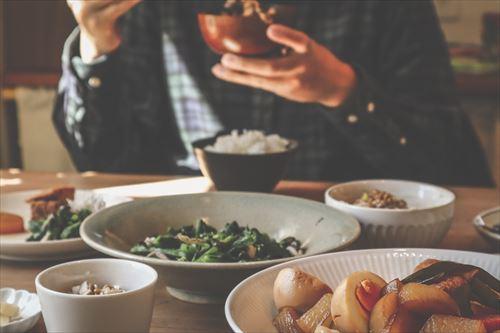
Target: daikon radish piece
351, 306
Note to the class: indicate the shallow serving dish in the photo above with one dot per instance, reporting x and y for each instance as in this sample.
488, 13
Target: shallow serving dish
113, 231
423, 224
243, 172
29, 309
484, 223
129, 311
250, 306
15, 246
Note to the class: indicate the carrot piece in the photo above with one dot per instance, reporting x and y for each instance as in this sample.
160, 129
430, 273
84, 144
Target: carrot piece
10, 223
368, 294
491, 322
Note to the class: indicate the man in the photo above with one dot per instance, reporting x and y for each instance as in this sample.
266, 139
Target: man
367, 90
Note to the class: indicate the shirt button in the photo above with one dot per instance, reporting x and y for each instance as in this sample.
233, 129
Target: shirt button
370, 107
94, 82
352, 119
402, 141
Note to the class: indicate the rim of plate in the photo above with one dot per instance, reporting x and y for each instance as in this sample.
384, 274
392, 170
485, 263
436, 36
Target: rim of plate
219, 265
27, 244
245, 282
450, 194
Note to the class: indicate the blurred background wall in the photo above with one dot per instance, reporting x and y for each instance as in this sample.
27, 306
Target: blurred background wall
32, 33
465, 25
461, 20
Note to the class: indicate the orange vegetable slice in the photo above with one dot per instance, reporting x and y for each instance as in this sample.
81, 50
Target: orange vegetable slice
10, 223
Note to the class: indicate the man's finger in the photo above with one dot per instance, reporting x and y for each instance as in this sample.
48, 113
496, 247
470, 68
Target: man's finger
295, 39
118, 8
269, 84
273, 67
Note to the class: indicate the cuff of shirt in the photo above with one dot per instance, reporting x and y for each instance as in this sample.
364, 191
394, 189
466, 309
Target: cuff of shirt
90, 74
360, 103
366, 111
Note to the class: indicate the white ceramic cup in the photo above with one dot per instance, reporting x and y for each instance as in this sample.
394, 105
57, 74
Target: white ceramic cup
130, 311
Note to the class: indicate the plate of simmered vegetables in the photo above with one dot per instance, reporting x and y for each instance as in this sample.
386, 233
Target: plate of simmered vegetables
379, 291
44, 225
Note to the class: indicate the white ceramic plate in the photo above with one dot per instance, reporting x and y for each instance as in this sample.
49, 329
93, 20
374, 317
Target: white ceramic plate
15, 246
250, 306
29, 309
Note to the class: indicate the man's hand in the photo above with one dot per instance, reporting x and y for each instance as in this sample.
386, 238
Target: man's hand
97, 21
310, 73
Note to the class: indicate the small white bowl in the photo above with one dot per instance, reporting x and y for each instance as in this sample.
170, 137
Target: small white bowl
423, 224
485, 221
129, 311
29, 309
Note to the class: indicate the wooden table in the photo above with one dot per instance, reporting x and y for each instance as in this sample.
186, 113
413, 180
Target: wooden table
176, 316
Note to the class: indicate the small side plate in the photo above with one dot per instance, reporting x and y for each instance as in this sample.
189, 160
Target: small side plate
29, 309
15, 247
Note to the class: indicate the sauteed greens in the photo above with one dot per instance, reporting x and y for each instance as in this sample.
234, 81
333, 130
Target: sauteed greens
63, 224
203, 243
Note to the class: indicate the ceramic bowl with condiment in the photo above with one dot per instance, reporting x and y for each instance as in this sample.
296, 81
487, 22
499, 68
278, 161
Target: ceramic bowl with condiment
424, 222
242, 35
127, 311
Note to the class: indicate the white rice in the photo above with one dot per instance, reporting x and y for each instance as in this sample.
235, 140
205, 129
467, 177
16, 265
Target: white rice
248, 142
87, 200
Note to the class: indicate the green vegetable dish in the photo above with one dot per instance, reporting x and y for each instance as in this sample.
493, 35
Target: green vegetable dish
63, 224
203, 243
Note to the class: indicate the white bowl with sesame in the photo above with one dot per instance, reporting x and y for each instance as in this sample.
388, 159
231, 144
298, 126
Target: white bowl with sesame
127, 311
424, 223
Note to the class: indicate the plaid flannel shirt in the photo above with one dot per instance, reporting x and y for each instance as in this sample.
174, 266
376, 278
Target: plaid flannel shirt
139, 108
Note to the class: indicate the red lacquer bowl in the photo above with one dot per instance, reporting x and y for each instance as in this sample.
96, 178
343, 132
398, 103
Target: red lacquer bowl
242, 35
